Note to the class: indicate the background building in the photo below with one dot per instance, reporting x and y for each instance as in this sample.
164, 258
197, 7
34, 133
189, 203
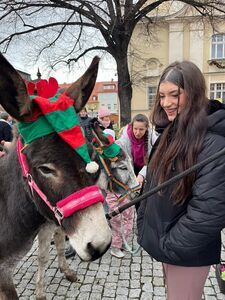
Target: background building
179, 34
105, 93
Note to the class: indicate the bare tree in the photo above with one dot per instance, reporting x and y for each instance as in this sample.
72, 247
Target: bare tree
79, 27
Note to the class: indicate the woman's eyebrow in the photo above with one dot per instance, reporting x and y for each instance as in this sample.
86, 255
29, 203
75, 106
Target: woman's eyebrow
170, 92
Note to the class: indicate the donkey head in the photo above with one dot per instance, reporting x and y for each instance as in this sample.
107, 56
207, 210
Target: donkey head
54, 166
117, 173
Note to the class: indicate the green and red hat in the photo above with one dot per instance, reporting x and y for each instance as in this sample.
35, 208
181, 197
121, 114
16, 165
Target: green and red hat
109, 150
56, 114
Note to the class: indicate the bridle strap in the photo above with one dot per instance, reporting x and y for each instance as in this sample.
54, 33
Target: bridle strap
111, 178
67, 206
22, 158
25, 172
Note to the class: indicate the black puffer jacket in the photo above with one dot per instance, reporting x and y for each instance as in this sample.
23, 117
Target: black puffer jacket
189, 235
85, 123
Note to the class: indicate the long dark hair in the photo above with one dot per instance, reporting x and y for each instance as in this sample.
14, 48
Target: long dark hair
142, 118
182, 139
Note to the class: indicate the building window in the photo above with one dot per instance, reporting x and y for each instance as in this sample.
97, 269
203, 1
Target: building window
109, 86
218, 46
151, 96
217, 91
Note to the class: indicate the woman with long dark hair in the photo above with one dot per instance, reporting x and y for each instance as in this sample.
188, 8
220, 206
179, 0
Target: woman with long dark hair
180, 226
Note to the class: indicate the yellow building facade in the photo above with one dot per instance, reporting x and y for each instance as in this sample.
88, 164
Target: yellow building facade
177, 35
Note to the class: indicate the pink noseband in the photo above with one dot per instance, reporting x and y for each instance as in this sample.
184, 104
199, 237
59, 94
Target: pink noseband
67, 206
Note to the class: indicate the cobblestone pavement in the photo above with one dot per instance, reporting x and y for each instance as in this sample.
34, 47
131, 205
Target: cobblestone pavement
133, 277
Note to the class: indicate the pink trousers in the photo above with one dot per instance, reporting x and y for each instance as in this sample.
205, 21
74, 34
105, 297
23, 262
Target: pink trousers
185, 283
126, 218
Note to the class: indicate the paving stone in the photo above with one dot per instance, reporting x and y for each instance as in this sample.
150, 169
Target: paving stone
112, 278
134, 293
95, 296
135, 284
122, 291
121, 297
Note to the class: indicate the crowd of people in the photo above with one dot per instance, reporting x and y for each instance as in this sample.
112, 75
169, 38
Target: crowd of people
181, 225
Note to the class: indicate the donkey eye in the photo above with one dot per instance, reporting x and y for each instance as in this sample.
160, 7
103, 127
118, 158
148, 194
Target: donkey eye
122, 167
46, 170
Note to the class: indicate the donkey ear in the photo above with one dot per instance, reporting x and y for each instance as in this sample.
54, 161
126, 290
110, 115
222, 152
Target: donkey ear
99, 133
13, 92
80, 90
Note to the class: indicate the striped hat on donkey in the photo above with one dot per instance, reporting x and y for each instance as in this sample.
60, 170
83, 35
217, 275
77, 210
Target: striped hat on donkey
56, 114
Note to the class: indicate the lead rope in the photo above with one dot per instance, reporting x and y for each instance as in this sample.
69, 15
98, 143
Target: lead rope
165, 184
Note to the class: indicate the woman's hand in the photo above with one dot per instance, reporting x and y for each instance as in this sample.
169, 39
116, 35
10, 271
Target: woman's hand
140, 179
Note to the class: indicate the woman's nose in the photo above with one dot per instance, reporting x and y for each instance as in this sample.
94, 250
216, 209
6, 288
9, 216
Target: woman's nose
166, 101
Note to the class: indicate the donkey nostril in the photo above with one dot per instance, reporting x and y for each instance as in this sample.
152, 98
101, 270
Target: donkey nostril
94, 252
90, 247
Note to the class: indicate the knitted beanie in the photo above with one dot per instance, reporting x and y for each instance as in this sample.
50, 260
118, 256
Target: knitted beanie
57, 115
103, 112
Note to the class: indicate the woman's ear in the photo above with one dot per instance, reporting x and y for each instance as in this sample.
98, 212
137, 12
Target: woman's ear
13, 92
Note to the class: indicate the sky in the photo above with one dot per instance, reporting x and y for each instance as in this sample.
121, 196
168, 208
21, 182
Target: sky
106, 72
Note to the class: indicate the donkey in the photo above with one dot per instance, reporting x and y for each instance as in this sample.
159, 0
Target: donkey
125, 182
46, 181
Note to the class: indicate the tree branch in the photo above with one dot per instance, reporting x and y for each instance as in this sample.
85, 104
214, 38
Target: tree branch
68, 62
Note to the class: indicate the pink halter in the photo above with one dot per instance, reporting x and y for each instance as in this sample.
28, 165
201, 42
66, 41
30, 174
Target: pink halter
67, 206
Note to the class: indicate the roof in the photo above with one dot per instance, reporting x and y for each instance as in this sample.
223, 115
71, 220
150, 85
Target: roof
100, 87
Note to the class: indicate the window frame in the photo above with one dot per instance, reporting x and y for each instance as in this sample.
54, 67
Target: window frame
219, 87
215, 44
152, 94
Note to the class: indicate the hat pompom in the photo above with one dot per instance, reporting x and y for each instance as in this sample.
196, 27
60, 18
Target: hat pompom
92, 167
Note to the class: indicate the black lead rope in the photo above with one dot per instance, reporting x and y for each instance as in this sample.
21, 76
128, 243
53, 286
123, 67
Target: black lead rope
165, 184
